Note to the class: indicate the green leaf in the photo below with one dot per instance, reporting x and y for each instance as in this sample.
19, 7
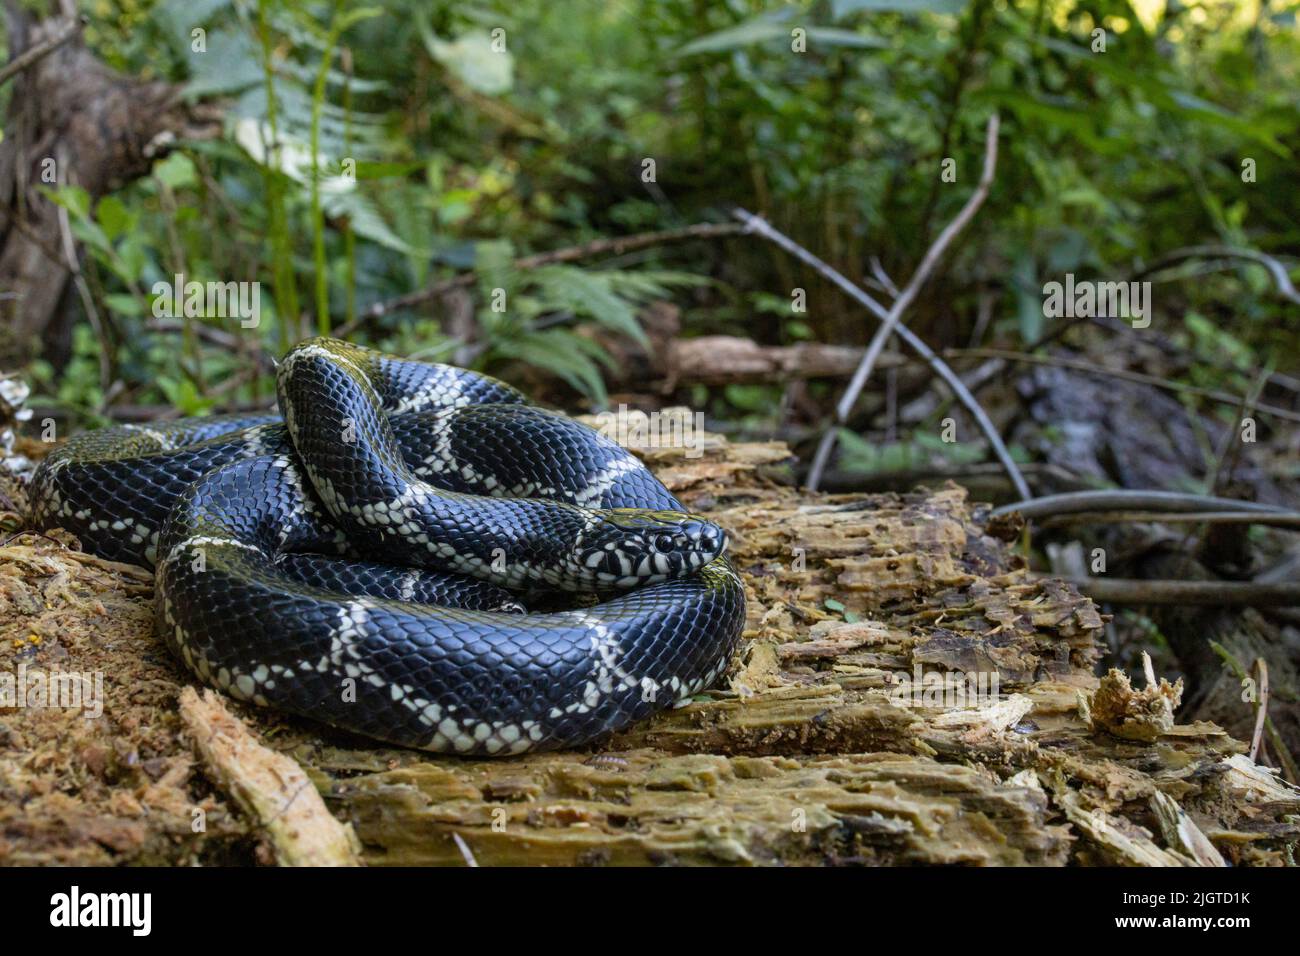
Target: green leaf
113, 216
176, 171
366, 220
352, 17
842, 8
472, 59
856, 453
758, 30
1158, 90
72, 198
771, 26
184, 396
494, 267
587, 294
229, 63
558, 352
830, 36
122, 304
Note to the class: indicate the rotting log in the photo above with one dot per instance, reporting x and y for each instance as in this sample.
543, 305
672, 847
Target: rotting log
839, 736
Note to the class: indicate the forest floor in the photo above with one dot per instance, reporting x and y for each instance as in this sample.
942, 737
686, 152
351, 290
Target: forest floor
906, 692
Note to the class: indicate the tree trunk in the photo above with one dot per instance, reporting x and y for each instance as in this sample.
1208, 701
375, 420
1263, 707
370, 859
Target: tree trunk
71, 121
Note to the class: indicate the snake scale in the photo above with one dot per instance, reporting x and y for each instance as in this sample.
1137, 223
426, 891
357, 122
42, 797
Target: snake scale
366, 558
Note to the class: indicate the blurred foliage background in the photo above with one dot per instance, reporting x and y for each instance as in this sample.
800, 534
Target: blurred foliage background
370, 150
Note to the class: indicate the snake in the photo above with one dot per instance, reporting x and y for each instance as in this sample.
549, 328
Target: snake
411, 552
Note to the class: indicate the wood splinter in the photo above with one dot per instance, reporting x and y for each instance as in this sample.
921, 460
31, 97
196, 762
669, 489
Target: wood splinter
268, 786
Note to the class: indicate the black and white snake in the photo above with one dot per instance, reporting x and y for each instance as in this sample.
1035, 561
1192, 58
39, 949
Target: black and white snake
362, 561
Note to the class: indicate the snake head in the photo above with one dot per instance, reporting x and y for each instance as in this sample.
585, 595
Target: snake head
629, 547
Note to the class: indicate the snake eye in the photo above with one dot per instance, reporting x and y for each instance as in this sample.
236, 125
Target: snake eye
663, 542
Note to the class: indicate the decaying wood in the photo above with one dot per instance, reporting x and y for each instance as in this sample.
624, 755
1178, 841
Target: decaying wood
268, 786
1202, 636
668, 360
845, 732
731, 359
808, 756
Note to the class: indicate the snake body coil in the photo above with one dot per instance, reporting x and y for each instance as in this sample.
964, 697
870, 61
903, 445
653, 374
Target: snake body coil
362, 561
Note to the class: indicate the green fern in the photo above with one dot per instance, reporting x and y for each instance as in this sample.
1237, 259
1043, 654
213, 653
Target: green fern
520, 308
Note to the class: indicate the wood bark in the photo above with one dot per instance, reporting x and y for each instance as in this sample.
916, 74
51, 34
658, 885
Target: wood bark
71, 120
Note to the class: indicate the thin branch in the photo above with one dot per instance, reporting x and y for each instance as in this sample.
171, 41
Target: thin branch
1289, 769
64, 32
466, 853
882, 277
762, 228
88, 303
1189, 356
619, 245
1142, 591
1075, 502
211, 335
985, 474
1282, 519
1261, 706
892, 322
1281, 278
13, 218
1223, 398
919, 278
1228, 454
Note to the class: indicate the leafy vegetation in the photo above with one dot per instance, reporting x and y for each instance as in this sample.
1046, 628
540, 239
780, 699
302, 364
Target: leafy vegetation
371, 150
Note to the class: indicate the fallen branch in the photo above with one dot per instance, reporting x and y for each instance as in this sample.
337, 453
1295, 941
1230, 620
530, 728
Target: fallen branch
1142, 591
984, 479
268, 786
761, 227
1074, 502
1287, 519
730, 359
905, 298
1281, 278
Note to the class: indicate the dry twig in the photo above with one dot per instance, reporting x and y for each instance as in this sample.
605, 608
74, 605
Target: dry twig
1143, 591
64, 32
761, 227
1261, 709
891, 323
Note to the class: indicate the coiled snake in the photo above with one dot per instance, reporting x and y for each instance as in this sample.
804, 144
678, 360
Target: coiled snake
363, 560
